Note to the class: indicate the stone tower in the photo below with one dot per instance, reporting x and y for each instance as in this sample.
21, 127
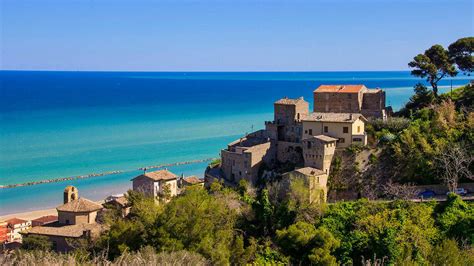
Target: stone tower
70, 193
288, 114
318, 152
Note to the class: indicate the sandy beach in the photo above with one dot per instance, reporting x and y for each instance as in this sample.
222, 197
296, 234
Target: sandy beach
29, 215
34, 214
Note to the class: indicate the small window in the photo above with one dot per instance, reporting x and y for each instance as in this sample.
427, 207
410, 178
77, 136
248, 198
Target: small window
309, 145
326, 129
345, 130
310, 131
306, 131
358, 129
357, 139
342, 140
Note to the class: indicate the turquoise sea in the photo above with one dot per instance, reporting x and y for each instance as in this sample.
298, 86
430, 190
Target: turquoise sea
62, 124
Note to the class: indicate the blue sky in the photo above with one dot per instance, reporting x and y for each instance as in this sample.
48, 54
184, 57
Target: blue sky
225, 35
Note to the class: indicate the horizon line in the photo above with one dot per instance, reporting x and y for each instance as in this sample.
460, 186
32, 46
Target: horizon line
203, 71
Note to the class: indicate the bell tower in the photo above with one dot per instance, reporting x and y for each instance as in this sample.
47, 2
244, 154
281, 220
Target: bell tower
70, 193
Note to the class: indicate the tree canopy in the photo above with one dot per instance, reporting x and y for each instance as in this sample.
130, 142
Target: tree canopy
437, 62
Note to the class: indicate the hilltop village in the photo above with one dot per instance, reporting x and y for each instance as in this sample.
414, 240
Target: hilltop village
268, 185
302, 139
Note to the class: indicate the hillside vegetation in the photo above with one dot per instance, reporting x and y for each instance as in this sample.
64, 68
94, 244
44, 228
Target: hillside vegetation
224, 226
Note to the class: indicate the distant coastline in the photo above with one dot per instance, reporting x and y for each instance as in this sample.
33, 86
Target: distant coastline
61, 179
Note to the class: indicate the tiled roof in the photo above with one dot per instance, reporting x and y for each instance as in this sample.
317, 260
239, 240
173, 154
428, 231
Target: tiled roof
122, 201
325, 138
310, 171
340, 88
76, 230
289, 101
46, 219
80, 205
333, 117
158, 175
15, 221
193, 180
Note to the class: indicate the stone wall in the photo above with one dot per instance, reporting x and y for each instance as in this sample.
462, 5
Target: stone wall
144, 185
289, 152
369, 102
66, 217
318, 154
316, 185
289, 113
373, 104
337, 102
244, 162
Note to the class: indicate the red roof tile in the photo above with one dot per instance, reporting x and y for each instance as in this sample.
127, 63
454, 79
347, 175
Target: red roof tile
15, 221
340, 88
46, 219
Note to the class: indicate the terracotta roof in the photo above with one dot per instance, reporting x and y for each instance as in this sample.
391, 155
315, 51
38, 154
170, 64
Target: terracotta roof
80, 205
325, 138
340, 88
310, 171
193, 180
15, 221
122, 201
158, 175
334, 117
289, 101
76, 230
46, 219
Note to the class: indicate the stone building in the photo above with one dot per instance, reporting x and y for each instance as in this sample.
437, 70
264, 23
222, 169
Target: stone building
190, 181
286, 125
153, 184
318, 152
350, 99
302, 139
347, 128
243, 157
118, 202
76, 222
314, 179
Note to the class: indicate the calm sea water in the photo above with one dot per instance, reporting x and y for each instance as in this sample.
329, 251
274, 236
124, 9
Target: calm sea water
60, 124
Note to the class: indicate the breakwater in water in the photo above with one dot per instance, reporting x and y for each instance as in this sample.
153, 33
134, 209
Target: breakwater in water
61, 179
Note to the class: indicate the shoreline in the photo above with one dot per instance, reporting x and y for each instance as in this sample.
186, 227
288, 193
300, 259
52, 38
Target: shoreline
62, 179
31, 215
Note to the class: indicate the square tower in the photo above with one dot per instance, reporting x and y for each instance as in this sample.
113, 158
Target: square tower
318, 152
